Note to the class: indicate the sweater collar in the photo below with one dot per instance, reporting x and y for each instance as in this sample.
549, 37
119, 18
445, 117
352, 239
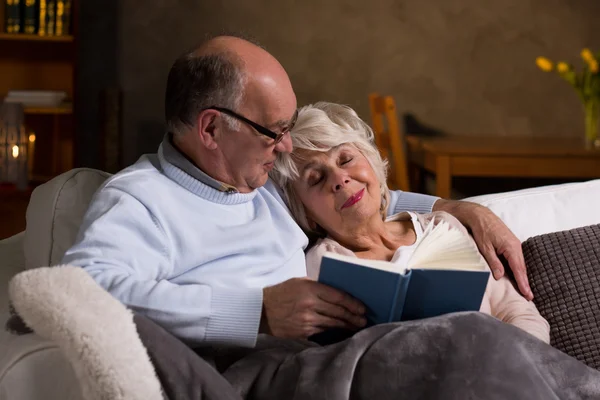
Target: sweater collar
174, 156
181, 170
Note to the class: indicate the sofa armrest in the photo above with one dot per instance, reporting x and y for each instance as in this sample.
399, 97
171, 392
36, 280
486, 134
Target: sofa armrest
12, 261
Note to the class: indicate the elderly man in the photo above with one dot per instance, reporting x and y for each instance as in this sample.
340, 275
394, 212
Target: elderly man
197, 238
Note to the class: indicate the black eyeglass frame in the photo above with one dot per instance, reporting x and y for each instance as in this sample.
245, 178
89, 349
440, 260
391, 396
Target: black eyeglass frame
277, 137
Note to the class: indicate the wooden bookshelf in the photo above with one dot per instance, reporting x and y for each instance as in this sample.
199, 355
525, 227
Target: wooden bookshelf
66, 109
41, 63
34, 62
35, 38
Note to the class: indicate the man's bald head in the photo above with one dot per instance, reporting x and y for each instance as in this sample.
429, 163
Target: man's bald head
248, 55
223, 71
221, 99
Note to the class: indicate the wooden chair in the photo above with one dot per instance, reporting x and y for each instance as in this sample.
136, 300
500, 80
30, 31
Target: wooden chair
390, 139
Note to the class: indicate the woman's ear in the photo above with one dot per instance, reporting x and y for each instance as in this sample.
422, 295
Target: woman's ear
384, 201
312, 224
316, 228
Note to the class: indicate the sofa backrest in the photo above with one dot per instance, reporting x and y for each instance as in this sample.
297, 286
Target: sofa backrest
55, 212
57, 208
536, 211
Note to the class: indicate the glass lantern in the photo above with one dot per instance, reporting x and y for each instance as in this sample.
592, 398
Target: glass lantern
13, 146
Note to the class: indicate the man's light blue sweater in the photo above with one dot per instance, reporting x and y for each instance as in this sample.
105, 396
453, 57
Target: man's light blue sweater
163, 238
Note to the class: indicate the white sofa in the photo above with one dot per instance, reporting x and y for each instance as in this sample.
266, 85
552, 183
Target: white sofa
32, 368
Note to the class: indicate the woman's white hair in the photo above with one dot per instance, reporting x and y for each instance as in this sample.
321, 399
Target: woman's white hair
321, 127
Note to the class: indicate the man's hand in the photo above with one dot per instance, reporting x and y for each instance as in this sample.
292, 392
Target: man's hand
492, 237
300, 307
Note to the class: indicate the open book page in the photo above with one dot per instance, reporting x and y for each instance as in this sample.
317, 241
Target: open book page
441, 247
445, 247
377, 264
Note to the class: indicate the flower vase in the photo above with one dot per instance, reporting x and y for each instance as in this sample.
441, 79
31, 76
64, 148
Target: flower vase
592, 115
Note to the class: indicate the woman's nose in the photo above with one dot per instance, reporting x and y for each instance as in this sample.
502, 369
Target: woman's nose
340, 181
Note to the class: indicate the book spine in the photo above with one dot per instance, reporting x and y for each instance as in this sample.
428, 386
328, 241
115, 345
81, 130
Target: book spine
17, 20
50, 17
15, 16
400, 297
42, 18
67, 17
2, 17
8, 12
60, 12
63, 17
29, 17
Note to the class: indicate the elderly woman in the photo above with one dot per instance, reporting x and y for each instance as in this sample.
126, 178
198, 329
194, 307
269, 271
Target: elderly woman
335, 184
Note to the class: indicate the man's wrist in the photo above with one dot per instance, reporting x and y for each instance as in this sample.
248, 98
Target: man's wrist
449, 206
461, 210
263, 326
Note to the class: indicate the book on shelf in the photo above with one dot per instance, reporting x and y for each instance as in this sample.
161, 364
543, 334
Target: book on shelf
36, 98
445, 273
63, 17
50, 17
42, 22
6, 17
38, 17
12, 16
17, 17
29, 13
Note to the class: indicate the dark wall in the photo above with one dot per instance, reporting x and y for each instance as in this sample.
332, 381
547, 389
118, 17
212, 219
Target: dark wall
465, 66
97, 69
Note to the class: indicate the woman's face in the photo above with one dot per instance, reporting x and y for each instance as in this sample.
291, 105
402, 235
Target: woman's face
339, 189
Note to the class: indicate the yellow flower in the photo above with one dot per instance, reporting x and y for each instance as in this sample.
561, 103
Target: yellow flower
590, 60
544, 64
587, 55
562, 67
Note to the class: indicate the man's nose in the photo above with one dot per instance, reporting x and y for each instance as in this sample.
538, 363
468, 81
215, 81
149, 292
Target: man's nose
285, 146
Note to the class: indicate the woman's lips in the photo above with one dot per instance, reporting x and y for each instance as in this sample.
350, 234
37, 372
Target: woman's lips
354, 199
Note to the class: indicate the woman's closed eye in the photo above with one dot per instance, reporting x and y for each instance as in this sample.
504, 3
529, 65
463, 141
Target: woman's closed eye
314, 179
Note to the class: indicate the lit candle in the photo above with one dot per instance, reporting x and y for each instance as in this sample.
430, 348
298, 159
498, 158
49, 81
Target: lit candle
13, 163
30, 152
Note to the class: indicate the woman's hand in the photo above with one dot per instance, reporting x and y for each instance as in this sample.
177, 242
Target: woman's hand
492, 237
300, 307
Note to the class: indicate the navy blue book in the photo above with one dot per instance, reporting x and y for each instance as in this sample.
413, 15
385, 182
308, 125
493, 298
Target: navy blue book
445, 274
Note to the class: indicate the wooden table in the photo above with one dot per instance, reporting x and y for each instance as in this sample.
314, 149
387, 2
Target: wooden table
523, 157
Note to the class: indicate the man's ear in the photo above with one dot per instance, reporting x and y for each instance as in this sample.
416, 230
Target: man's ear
208, 128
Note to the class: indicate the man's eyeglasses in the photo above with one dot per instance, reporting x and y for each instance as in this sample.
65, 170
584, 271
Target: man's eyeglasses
277, 137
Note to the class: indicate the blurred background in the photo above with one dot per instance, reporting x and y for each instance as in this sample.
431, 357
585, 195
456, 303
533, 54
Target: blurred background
90, 74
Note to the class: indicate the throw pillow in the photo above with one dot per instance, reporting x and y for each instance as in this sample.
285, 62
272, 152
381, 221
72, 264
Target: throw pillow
564, 273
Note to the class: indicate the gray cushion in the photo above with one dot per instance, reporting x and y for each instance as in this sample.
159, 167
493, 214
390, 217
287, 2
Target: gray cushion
564, 272
55, 212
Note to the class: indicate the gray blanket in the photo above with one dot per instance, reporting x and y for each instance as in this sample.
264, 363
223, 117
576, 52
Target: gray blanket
456, 356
